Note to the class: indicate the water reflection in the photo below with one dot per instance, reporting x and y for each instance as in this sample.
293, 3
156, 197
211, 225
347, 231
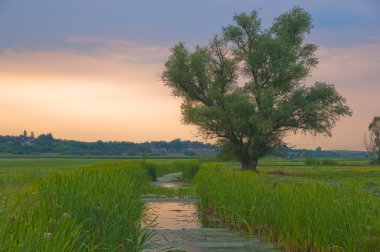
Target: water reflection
174, 214
178, 227
173, 185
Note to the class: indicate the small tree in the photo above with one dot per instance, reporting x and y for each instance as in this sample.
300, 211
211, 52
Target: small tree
369, 145
247, 90
372, 143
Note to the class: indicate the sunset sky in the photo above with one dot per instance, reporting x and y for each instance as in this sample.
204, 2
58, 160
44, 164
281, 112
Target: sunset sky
90, 69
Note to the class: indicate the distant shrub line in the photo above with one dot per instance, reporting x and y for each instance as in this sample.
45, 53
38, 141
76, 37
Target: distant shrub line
316, 162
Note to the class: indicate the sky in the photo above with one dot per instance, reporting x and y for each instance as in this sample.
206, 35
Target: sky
90, 69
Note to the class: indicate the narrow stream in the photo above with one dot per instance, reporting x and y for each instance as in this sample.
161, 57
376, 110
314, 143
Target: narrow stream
178, 227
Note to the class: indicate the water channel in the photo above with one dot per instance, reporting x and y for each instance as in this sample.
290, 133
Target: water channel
178, 227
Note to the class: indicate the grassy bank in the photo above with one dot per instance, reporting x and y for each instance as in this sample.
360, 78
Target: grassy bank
308, 215
16, 173
87, 209
79, 204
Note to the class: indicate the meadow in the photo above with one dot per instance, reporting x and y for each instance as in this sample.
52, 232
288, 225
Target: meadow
77, 204
296, 206
74, 204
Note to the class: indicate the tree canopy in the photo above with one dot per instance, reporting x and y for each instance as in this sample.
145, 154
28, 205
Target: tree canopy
374, 146
247, 87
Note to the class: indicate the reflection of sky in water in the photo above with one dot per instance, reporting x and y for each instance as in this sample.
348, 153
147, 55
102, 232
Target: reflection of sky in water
178, 226
172, 185
174, 215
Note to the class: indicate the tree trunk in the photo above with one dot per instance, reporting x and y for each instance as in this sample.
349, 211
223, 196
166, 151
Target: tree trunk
249, 165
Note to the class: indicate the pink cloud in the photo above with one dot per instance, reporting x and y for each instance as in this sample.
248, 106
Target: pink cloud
71, 92
124, 50
356, 75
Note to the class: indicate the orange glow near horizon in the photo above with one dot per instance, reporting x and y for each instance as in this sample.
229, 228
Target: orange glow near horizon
86, 98
117, 95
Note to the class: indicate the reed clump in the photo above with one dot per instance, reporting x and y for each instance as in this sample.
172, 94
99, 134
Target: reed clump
308, 216
89, 209
188, 168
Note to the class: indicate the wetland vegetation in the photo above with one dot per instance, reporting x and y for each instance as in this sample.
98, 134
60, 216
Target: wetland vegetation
246, 91
94, 205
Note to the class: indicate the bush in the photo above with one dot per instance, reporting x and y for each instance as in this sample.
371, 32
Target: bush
329, 162
312, 161
189, 168
151, 170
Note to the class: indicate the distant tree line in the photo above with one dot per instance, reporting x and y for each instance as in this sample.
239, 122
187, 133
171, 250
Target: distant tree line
317, 153
46, 144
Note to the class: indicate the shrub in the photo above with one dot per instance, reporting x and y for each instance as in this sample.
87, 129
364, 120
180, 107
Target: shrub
329, 162
312, 161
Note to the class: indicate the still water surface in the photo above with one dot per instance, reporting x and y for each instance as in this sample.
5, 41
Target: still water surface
179, 229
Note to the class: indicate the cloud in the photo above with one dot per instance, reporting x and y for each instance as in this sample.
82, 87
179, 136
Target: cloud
352, 68
114, 92
354, 72
113, 60
102, 95
121, 49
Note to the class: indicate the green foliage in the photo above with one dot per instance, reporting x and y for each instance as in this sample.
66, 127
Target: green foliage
188, 168
150, 170
225, 154
92, 209
299, 216
373, 147
47, 144
251, 119
83, 204
312, 161
329, 162
316, 162
374, 126
18, 173
144, 156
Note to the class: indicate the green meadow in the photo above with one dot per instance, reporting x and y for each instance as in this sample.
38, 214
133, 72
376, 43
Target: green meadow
299, 207
78, 204
60, 204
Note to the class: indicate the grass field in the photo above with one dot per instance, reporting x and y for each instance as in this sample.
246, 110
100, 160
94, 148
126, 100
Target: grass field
299, 207
72, 206
66, 204
75, 204
16, 173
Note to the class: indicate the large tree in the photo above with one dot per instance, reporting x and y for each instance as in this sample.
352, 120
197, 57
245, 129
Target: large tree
247, 87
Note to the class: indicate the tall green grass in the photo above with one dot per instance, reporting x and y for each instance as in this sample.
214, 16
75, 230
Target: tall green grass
92, 209
158, 168
298, 216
